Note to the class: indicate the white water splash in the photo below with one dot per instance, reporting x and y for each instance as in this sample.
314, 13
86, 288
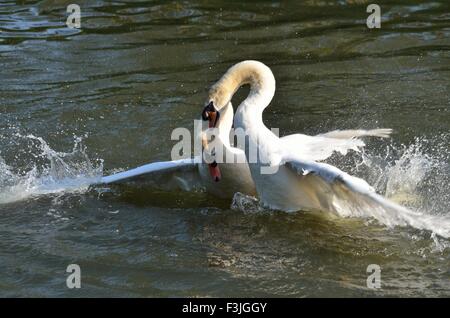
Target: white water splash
246, 203
414, 176
59, 172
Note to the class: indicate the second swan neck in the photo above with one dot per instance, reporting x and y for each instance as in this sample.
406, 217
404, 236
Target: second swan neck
256, 74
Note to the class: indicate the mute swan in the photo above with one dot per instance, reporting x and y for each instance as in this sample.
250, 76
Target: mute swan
297, 181
192, 173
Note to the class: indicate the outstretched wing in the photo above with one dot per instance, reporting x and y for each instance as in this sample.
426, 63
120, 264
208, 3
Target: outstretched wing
319, 148
322, 146
181, 173
347, 195
355, 133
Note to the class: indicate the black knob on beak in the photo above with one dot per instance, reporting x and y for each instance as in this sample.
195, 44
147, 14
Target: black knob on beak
209, 108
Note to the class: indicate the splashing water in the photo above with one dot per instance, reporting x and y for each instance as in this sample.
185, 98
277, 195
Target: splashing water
246, 203
59, 172
414, 176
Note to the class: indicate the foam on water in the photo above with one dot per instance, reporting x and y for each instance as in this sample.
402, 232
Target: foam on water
51, 171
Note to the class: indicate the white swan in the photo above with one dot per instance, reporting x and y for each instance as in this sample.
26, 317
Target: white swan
295, 180
192, 173
300, 182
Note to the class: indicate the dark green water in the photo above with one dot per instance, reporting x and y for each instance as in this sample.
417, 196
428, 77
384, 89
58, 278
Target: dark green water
116, 88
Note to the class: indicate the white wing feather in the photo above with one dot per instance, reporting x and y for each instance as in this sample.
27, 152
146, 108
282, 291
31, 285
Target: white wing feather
319, 148
181, 173
328, 173
355, 133
322, 146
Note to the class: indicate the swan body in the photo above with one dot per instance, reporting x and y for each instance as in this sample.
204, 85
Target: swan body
286, 172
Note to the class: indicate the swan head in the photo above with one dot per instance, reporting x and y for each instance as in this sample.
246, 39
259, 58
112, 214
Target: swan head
223, 122
218, 99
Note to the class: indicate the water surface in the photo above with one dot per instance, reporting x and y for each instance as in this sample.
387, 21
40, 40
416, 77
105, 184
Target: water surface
78, 103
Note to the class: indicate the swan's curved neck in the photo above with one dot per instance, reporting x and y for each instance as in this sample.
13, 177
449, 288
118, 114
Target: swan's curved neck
257, 75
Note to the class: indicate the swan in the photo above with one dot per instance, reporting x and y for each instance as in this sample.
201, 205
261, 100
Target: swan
286, 171
193, 173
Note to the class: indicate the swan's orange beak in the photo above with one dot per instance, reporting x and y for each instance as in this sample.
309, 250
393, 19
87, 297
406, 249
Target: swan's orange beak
212, 119
212, 116
214, 171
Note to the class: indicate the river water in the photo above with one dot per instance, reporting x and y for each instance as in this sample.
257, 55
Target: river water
77, 104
